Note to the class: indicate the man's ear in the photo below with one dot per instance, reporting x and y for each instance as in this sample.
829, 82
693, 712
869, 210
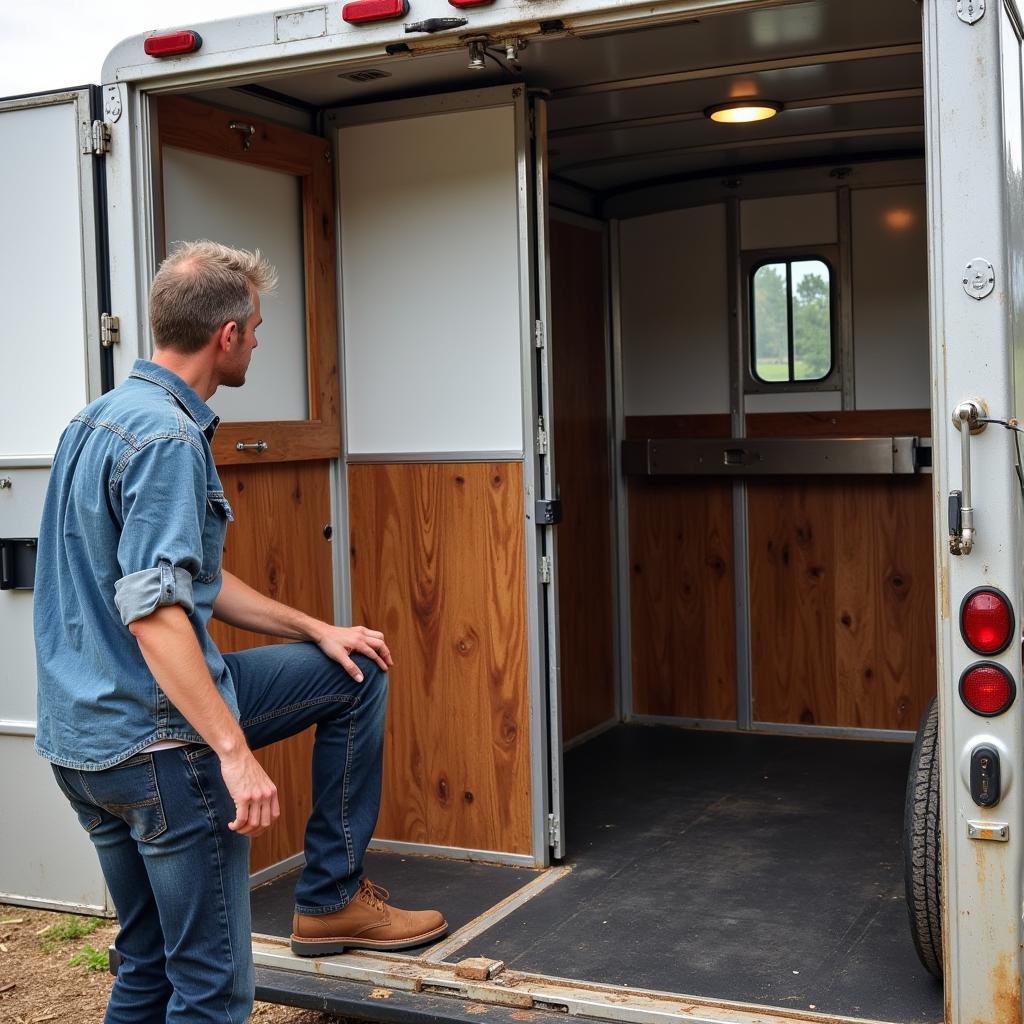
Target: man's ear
226, 335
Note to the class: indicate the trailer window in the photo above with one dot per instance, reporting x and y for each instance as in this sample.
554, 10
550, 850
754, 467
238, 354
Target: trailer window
791, 321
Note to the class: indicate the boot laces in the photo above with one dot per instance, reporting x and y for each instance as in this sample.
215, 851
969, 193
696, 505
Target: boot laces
375, 895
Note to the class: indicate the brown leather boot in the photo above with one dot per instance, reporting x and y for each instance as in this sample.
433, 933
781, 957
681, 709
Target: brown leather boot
366, 923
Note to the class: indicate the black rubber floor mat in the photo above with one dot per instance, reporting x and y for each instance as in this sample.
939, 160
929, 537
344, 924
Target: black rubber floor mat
459, 889
755, 868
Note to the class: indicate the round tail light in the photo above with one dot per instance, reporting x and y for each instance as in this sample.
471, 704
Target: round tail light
987, 689
986, 621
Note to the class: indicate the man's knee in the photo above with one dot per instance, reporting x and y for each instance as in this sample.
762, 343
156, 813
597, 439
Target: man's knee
373, 690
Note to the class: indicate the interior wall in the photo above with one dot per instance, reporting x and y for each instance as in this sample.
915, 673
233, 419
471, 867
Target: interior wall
890, 297
674, 312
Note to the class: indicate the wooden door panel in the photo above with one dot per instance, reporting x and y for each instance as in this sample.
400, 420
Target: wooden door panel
277, 545
438, 564
585, 553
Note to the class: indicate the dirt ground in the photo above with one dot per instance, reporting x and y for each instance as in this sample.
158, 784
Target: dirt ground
37, 987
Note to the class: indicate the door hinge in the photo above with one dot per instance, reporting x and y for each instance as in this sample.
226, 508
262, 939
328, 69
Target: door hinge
548, 511
110, 330
538, 333
542, 437
97, 141
970, 11
554, 830
544, 568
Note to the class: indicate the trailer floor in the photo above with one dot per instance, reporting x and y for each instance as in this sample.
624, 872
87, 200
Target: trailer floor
761, 869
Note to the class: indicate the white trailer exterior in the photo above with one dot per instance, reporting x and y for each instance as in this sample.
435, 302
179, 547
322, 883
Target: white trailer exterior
100, 202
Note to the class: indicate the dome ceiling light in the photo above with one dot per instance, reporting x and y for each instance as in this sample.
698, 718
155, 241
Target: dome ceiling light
743, 111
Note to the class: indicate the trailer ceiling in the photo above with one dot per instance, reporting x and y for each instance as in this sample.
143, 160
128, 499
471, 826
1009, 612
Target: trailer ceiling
627, 107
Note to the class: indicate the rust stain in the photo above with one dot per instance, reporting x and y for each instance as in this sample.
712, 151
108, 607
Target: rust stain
522, 1015
1004, 982
380, 993
477, 1009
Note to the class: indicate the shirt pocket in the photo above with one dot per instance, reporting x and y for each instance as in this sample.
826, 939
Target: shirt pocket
215, 528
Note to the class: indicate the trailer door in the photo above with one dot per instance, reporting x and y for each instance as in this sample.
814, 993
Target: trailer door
52, 275
973, 88
443, 435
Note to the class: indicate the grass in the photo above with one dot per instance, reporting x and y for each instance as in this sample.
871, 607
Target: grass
67, 929
91, 958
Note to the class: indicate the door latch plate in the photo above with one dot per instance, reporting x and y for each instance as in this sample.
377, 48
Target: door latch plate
970, 11
979, 278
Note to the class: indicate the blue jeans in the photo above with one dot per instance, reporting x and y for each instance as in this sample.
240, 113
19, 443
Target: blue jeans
179, 878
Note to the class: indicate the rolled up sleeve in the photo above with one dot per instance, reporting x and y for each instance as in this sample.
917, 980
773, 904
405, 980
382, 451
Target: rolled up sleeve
162, 497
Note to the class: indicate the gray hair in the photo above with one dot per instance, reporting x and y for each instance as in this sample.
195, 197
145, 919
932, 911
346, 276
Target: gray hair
199, 288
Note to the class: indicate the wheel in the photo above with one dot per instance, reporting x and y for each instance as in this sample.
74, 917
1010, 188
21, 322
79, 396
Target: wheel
922, 845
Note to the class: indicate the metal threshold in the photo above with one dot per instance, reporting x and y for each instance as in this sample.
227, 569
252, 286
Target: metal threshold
387, 974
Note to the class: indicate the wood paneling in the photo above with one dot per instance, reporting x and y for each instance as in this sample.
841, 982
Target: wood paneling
842, 585
206, 129
438, 563
277, 545
682, 596
585, 551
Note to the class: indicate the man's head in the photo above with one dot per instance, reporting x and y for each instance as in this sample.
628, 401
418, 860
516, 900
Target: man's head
205, 298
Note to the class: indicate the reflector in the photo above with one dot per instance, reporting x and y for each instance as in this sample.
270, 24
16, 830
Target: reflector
987, 689
172, 43
986, 621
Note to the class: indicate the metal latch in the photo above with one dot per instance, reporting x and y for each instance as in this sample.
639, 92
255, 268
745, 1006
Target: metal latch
968, 419
544, 568
99, 138
110, 330
542, 437
538, 333
548, 512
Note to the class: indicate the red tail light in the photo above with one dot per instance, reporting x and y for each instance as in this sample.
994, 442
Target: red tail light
986, 621
172, 43
360, 11
987, 689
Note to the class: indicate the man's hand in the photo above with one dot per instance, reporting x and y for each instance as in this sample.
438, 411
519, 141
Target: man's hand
339, 642
255, 795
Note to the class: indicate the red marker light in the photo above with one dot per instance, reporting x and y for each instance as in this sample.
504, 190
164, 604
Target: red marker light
987, 689
172, 43
469, 3
986, 621
360, 11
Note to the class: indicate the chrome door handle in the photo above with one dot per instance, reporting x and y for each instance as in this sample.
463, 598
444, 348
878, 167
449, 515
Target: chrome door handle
967, 418
252, 446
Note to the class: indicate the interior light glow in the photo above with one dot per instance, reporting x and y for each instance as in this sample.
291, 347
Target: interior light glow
899, 218
743, 111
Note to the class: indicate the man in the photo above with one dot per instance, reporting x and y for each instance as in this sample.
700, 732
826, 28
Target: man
149, 728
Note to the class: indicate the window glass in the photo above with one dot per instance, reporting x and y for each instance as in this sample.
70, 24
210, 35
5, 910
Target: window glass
792, 321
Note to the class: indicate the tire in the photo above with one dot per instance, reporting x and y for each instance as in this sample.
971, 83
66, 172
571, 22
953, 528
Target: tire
922, 845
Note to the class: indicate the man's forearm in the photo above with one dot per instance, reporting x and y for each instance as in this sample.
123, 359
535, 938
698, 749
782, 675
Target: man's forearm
170, 649
239, 605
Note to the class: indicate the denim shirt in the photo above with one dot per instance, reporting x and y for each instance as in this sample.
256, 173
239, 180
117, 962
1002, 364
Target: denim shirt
134, 519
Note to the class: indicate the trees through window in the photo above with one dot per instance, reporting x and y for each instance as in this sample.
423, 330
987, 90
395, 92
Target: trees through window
791, 326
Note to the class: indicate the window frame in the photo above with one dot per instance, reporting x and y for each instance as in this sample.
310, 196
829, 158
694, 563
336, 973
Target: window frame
751, 262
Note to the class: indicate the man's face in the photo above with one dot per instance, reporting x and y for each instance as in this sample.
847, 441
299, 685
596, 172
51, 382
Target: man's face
236, 362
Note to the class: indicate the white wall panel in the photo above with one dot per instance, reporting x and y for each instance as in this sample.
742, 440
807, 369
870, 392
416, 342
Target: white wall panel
45, 853
43, 341
431, 288
253, 208
890, 298
675, 315
785, 221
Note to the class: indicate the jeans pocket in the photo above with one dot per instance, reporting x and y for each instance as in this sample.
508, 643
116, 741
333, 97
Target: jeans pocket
88, 817
130, 791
